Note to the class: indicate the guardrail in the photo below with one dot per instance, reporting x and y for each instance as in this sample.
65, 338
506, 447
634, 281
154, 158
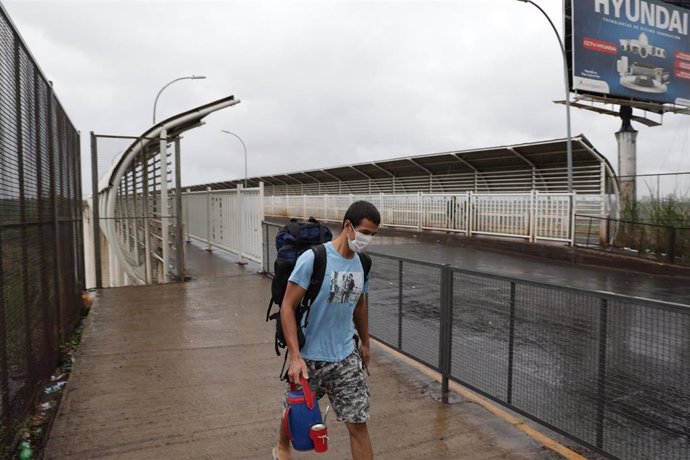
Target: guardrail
226, 219
611, 372
534, 216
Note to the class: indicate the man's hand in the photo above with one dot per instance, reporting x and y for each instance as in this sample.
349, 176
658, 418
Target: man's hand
297, 367
366, 356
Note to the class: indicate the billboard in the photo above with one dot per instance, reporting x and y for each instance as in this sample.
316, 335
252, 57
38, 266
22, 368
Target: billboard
631, 49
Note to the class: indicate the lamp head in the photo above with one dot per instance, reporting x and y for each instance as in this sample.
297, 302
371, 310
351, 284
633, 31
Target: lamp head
201, 77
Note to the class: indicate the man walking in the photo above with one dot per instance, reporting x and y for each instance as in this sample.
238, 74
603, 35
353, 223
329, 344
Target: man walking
328, 358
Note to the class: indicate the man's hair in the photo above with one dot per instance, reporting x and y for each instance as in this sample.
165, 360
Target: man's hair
360, 210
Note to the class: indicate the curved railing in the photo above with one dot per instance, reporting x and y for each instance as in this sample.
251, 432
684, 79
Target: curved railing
139, 216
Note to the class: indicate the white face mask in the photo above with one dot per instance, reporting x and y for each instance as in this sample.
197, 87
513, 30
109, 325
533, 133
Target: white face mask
360, 243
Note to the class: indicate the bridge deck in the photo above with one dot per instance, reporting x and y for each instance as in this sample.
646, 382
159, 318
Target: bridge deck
188, 370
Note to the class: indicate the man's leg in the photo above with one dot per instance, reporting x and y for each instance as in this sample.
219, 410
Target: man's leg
283, 447
360, 444
348, 392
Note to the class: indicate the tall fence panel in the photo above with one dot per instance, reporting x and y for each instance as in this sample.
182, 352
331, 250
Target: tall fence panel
41, 245
665, 243
611, 372
227, 219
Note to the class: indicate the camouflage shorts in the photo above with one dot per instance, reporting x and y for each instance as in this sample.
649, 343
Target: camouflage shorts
345, 384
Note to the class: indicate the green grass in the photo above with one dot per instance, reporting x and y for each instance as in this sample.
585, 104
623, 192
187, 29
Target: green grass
651, 224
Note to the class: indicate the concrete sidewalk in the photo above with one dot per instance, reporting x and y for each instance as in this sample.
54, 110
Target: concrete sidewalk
188, 370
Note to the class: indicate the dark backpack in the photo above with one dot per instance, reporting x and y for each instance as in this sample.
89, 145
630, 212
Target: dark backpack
292, 241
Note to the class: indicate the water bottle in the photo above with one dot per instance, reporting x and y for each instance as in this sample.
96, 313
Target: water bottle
301, 413
25, 451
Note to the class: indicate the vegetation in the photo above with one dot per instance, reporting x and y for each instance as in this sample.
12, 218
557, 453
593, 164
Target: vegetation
657, 228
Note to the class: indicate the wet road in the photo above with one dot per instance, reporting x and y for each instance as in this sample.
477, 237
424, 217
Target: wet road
657, 287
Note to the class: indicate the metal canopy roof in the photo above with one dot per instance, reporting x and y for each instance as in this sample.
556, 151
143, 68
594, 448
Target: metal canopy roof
538, 155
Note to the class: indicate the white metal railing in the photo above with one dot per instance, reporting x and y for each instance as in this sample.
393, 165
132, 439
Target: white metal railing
226, 219
532, 216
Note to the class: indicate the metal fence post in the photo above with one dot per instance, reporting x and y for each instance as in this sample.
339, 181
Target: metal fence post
601, 378
244, 223
671, 244
419, 211
95, 207
445, 333
532, 228
179, 236
400, 303
511, 343
208, 219
571, 220
264, 262
470, 213
146, 207
164, 212
189, 197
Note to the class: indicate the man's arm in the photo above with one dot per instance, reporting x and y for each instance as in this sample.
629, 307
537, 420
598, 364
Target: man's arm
293, 295
361, 321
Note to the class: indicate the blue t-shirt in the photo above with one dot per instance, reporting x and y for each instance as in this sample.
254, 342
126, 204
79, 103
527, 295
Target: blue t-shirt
330, 325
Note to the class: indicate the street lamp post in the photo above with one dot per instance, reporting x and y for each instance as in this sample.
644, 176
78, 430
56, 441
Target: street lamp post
569, 146
193, 77
243, 230
245, 154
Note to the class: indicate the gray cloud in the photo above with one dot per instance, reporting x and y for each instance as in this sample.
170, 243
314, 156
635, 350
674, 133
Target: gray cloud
321, 83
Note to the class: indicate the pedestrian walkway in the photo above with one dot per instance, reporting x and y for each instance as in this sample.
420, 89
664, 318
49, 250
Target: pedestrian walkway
187, 370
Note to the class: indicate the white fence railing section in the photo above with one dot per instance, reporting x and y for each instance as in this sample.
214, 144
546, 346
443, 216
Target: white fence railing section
226, 219
533, 216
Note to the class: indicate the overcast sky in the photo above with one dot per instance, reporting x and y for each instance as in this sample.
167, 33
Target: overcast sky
322, 83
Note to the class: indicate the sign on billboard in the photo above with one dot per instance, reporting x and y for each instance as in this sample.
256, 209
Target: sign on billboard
632, 49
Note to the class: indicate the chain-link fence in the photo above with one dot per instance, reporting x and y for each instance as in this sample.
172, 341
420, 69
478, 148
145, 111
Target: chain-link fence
659, 187
663, 243
41, 245
609, 371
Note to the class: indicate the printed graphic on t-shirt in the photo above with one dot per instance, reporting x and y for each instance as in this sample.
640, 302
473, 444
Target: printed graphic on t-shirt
345, 287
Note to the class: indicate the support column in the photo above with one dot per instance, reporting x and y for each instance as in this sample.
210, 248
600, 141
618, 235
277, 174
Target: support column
95, 207
146, 206
244, 223
179, 236
208, 219
164, 211
189, 197
627, 164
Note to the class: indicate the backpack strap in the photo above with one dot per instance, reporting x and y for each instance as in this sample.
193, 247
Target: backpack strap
317, 274
366, 264
268, 311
